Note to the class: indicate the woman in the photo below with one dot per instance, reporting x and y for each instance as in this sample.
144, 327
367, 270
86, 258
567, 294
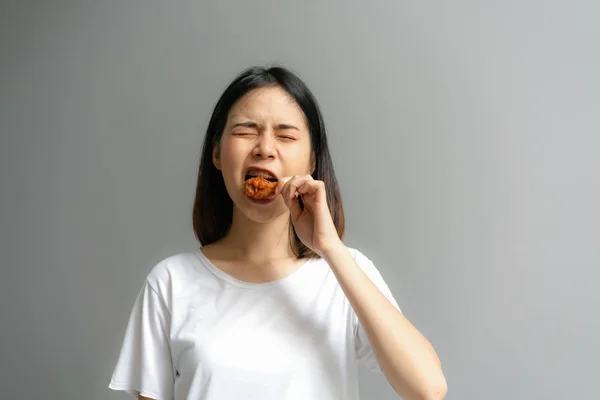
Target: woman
273, 305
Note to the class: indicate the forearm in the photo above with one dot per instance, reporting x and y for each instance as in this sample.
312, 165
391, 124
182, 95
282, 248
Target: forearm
405, 356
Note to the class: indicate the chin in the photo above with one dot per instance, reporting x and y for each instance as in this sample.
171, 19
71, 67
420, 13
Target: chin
262, 213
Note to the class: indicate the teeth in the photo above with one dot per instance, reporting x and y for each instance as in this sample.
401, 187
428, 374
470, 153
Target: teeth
260, 174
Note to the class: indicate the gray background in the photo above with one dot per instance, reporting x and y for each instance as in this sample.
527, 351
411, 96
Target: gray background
466, 137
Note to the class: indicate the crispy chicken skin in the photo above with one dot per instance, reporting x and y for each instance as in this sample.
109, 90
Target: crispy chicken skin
259, 188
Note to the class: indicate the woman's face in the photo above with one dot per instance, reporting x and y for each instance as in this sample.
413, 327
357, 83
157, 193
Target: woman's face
265, 129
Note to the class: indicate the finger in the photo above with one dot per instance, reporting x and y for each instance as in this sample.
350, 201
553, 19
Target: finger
310, 187
314, 189
284, 180
291, 186
286, 186
283, 188
281, 184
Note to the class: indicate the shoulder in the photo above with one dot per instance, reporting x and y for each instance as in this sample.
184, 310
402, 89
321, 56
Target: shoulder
172, 267
365, 263
373, 273
171, 272
361, 259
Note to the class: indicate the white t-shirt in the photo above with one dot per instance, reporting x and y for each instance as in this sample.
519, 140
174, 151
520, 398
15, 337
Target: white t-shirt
196, 332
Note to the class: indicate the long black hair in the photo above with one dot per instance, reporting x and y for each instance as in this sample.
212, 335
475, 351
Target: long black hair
213, 208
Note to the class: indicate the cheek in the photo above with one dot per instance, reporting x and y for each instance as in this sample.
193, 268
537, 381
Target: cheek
299, 161
231, 156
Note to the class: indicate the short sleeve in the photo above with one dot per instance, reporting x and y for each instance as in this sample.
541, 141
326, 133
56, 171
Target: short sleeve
364, 351
144, 364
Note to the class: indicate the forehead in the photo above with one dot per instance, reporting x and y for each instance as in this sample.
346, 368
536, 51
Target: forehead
265, 105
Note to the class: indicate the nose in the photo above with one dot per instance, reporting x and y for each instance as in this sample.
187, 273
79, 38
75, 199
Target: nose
265, 147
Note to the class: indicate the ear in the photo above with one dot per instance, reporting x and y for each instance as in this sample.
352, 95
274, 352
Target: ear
216, 156
313, 163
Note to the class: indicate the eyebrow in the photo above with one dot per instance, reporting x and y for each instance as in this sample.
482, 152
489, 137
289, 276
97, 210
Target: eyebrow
286, 126
250, 124
247, 124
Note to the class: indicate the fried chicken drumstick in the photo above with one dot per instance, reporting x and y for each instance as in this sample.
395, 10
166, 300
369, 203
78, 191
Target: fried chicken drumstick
259, 188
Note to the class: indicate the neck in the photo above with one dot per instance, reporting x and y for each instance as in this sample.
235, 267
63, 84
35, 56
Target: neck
259, 242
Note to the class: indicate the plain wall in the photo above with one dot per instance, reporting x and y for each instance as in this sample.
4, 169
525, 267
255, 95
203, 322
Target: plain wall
465, 135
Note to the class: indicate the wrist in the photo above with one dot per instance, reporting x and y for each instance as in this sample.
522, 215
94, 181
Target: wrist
331, 250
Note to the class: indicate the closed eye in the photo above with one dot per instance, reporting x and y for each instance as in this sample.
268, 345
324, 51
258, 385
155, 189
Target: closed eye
285, 137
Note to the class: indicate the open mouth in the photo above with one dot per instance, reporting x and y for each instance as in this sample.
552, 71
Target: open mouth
257, 173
